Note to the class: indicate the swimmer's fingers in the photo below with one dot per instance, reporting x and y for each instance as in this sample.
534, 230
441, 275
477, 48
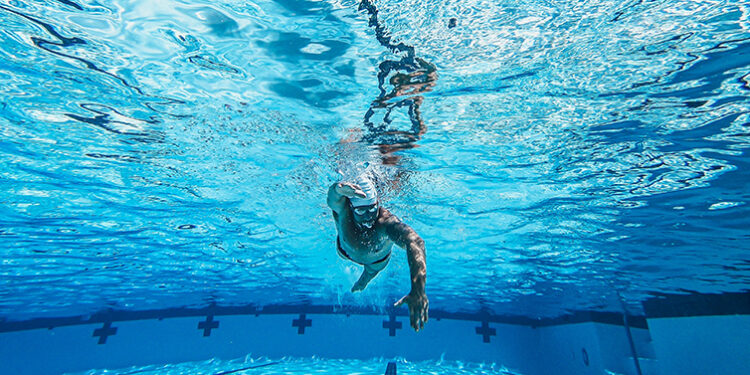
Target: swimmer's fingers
421, 311
416, 318
401, 301
416, 315
354, 187
419, 324
420, 319
348, 189
418, 310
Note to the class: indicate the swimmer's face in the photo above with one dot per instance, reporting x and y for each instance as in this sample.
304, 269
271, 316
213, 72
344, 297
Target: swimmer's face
365, 215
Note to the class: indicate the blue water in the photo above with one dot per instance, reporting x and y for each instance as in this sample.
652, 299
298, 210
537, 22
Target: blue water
554, 156
293, 366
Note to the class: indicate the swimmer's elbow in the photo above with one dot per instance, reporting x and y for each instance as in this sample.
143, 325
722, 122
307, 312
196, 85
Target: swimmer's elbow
418, 242
334, 199
415, 246
331, 203
403, 235
334, 205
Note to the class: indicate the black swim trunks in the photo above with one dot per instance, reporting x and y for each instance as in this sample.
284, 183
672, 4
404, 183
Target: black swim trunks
345, 255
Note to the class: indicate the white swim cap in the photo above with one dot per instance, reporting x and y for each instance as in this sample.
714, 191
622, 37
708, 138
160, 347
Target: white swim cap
366, 185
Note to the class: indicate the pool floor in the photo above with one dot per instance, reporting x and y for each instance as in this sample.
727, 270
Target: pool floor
295, 365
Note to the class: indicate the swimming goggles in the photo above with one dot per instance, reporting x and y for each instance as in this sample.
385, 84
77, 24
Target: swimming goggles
365, 209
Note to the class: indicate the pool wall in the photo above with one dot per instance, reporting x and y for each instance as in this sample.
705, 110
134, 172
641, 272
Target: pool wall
577, 343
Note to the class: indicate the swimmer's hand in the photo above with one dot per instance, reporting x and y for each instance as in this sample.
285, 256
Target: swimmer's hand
367, 275
418, 308
349, 190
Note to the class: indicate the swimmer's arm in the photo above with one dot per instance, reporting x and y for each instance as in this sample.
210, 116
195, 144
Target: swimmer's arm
406, 238
335, 200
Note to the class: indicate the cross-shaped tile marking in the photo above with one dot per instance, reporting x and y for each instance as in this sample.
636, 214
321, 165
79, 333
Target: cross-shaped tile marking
392, 325
301, 323
485, 331
106, 330
208, 325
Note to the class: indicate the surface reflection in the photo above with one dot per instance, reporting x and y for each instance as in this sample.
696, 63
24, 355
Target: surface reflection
401, 84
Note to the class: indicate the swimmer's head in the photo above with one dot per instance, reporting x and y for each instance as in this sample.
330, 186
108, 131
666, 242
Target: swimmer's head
365, 209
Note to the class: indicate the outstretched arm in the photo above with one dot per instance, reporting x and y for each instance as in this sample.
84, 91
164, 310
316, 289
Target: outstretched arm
405, 237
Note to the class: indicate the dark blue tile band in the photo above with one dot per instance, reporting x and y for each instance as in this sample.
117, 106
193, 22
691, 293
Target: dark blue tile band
695, 304
182, 312
659, 306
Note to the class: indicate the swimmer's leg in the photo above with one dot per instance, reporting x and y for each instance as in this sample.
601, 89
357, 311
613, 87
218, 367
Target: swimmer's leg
368, 274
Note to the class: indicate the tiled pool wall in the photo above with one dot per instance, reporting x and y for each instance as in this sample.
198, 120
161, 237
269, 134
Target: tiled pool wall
679, 334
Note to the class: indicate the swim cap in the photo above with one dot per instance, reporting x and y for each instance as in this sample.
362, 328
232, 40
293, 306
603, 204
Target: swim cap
366, 185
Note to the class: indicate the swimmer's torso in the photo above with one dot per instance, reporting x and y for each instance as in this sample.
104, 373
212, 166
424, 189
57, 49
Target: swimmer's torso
363, 245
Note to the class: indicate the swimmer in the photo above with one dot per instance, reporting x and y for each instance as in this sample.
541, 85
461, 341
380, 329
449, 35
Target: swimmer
366, 233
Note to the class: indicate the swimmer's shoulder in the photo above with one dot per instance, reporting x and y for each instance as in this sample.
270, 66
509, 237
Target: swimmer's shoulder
387, 218
385, 215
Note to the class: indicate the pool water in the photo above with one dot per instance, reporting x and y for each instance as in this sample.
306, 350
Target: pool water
291, 366
555, 156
